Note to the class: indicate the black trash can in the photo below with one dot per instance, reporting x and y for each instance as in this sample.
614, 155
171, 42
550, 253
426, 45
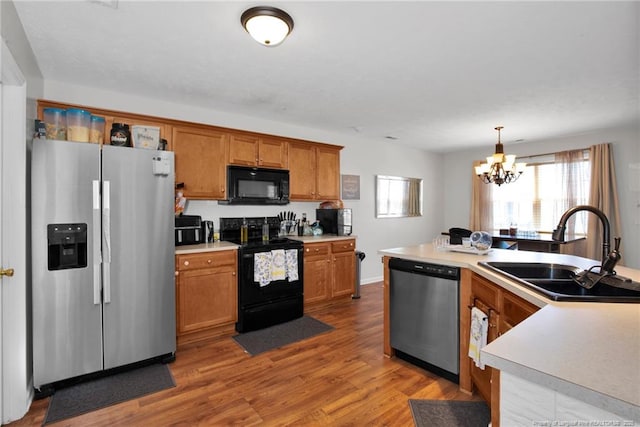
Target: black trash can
359, 257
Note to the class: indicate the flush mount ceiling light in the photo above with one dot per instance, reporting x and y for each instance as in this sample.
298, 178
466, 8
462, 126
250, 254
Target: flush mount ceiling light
500, 168
267, 25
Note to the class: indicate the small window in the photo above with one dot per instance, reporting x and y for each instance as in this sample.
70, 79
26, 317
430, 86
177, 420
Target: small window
398, 196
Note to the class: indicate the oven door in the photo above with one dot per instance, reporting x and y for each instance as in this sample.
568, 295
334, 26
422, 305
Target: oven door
261, 305
252, 292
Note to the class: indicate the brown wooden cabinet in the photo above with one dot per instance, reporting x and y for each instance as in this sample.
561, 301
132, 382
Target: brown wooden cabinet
486, 297
504, 310
315, 171
251, 150
344, 267
317, 272
200, 155
206, 291
329, 270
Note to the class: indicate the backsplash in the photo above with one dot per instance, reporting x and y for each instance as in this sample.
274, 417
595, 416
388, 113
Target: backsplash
211, 210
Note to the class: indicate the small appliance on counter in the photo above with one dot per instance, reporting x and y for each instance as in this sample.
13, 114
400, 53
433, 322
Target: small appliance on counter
207, 231
189, 230
335, 221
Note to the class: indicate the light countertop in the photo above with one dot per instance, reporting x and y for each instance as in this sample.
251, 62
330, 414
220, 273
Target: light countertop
320, 239
224, 245
206, 247
590, 351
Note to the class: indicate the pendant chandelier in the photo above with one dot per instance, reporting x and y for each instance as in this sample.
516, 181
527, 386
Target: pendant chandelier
500, 168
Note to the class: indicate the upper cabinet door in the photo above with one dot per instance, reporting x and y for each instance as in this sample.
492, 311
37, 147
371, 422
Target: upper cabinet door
200, 164
328, 168
302, 171
314, 171
243, 149
273, 153
264, 152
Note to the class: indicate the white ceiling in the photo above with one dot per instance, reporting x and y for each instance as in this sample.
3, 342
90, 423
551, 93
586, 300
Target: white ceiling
437, 75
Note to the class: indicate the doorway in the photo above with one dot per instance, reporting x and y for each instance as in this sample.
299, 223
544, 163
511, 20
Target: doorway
16, 391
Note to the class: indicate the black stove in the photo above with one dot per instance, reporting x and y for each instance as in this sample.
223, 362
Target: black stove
263, 299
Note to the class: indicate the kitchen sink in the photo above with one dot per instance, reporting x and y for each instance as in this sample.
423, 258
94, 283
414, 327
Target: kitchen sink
556, 281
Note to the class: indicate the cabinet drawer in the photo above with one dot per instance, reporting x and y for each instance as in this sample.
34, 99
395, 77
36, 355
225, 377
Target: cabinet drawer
205, 259
316, 249
486, 291
343, 246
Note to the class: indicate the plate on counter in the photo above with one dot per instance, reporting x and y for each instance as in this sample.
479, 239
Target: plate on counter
469, 250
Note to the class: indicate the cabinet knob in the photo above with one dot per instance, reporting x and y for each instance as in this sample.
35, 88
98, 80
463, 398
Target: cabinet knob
209, 261
186, 263
233, 273
176, 273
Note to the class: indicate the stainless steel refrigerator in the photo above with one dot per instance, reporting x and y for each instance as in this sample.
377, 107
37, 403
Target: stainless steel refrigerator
102, 258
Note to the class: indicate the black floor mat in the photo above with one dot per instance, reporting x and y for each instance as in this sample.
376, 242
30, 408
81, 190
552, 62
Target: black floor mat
449, 413
99, 393
262, 340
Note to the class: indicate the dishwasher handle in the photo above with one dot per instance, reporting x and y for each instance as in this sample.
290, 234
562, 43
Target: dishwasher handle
426, 269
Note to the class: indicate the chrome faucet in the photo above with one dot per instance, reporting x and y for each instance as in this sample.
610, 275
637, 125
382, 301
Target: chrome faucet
609, 260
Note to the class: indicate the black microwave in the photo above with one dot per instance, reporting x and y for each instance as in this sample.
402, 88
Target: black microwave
257, 186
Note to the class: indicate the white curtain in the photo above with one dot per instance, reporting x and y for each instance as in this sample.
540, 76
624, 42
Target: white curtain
573, 183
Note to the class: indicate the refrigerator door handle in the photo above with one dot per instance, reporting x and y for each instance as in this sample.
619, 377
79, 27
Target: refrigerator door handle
106, 230
97, 255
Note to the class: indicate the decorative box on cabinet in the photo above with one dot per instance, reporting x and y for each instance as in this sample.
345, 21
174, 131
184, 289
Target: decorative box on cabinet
206, 292
111, 117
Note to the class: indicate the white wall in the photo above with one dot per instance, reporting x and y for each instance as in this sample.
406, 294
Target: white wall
626, 151
361, 157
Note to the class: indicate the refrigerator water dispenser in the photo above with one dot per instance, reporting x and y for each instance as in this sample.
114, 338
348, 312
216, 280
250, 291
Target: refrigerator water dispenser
67, 246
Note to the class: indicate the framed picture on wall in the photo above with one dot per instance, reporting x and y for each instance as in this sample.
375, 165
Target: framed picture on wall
350, 187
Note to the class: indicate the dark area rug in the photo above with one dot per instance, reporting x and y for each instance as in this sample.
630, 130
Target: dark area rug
256, 342
449, 413
102, 392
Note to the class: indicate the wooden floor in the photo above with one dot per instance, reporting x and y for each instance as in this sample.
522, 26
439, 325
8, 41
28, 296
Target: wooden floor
339, 378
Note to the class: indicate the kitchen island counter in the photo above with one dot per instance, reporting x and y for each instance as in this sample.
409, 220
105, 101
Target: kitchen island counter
587, 351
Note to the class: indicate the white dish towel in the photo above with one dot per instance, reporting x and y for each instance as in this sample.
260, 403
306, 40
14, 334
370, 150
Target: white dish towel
291, 256
478, 335
262, 268
278, 270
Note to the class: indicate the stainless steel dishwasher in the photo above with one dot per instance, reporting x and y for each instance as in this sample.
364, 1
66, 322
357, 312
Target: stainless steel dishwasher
424, 312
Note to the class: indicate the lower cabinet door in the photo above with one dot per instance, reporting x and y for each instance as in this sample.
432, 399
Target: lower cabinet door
207, 298
344, 273
317, 279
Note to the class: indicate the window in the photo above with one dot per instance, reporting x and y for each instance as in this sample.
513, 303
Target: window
398, 197
548, 187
